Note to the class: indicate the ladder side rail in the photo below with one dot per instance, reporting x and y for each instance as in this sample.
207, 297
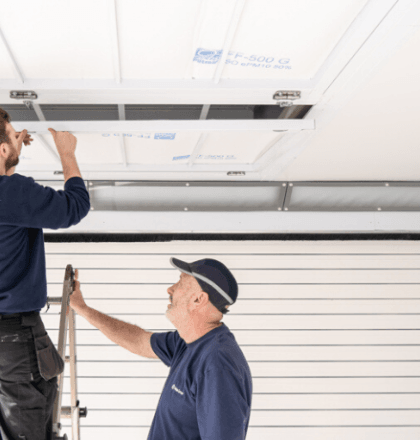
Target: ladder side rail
61, 348
75, 410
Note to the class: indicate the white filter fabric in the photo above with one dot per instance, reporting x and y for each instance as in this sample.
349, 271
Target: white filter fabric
273, 39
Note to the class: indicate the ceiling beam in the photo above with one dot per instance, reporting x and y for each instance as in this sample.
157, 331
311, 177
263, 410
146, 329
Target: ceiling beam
18, 71
113, 21
233, 26
355, 36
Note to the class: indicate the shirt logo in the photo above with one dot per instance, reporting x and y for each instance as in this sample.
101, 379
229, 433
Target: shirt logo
177, 390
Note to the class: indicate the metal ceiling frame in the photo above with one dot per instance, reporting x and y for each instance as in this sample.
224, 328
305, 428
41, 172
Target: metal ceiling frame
215, 91
126, 127
245, 222
374, 30
234, 221
288, 202
41, 127
176, 196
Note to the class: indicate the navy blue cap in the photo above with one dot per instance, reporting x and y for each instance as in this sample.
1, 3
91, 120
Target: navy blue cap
214, 278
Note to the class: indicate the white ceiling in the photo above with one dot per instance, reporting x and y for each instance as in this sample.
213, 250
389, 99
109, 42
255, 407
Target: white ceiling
355, 61
376, 135
158, 40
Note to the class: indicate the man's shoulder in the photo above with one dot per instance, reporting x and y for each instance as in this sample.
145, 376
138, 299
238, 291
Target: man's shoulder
222, 351
17, 178
16, 182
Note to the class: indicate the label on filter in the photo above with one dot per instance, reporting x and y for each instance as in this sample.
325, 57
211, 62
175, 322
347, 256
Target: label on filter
240, 59
207, 56
157, 136
165, 136
207, 157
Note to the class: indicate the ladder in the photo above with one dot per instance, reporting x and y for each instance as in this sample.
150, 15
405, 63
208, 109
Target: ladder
73, 412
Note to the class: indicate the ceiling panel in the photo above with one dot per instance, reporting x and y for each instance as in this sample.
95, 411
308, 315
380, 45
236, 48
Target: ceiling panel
156, 37
36, 154
69, 39
241, 147
172, 40
95, 149
172, 53
158, 148
285, 39
376, 135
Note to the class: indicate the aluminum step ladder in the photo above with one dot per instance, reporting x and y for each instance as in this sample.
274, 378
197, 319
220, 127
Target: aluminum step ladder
73, 412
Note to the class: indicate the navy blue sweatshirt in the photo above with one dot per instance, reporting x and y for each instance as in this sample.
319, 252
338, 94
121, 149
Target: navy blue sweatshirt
25, 208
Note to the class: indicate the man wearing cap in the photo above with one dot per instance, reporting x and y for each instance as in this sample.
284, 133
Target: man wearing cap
207, 394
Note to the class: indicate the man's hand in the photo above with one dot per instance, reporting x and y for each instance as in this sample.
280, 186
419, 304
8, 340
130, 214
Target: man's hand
66, 147
64, 141
76, 299
27, 138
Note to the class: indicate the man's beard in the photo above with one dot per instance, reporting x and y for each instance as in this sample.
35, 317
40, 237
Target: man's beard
11, 161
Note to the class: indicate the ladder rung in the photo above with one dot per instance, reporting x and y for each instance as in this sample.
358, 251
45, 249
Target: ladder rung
55, 299
66, 412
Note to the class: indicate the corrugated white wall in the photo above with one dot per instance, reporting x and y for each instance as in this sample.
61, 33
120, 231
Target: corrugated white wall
331, 331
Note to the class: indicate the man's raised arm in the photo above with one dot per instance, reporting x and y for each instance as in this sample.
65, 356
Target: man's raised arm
128, 336
66, 147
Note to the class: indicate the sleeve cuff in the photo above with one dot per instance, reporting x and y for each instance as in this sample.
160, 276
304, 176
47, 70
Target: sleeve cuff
155, 348
74, 181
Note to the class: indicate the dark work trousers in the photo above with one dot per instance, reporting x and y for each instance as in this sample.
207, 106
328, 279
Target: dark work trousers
29, 366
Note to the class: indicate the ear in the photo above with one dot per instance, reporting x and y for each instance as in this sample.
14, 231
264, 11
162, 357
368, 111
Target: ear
201, 298
4, 149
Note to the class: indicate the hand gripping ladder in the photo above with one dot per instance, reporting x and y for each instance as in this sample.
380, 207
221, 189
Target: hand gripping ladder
73, 412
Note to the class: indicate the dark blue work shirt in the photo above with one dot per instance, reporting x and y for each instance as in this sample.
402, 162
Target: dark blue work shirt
207, 395
25, 208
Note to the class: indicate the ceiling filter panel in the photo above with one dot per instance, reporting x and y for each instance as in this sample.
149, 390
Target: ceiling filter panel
96, 149
163, 148
240, 147
37, 153
59, 40
155, 38
159, 147
274, 39
6, 68
189, 39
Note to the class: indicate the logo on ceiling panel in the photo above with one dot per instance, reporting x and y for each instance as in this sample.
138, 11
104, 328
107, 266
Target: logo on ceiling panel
181, 157
165, 136
206, 56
